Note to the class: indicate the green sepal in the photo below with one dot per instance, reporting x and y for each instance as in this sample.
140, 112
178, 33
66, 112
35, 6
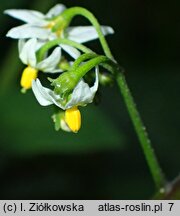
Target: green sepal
56, 119
59, 121
65, 83
64, 64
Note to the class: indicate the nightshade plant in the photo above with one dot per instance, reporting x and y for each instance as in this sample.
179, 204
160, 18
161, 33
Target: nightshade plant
41, 42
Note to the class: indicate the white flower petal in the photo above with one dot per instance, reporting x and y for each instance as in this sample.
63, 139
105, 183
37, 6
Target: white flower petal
28, 31
54, 71
64, 126
28, 52
55, 11
94, 88
44, 95
73, 52
21, 44
83, 34
41, 94
50, 63
83, 94
28, 16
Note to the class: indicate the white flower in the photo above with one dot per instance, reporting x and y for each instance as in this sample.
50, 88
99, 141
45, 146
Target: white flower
81, 95
39, 26
37, 22
27, 54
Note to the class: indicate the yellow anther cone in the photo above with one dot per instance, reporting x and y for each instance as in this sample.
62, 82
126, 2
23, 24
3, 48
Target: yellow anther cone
73, 119
51, 25
29, 74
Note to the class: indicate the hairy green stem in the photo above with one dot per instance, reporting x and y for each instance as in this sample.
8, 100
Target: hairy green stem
141, 132
140, 129
82, 70
83, 58
42, 51
66, 82
70, 13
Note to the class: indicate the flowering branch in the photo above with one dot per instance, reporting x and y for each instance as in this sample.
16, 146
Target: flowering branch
66, 82
140, 129
128, 99
70, 90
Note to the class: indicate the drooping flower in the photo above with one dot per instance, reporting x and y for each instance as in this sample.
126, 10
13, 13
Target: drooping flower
40, 26
27, 54
82, 95
37, 24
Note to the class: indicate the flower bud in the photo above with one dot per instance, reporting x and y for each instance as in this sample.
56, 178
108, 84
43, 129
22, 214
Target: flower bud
64, 64
65, 83
29, 74
106, 79
73, 119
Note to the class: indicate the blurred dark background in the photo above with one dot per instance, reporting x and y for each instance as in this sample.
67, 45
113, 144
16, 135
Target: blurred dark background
104, 160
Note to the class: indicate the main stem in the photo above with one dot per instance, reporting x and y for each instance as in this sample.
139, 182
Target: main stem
134, 114
141, 132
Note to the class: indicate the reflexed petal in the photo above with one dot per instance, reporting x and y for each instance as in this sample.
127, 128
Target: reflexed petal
41, 93
49, 64
73, 52
28, 52
83, 34
44, 95
21, 44
55, 11
28, 16
83, 94
94, 88
27, 31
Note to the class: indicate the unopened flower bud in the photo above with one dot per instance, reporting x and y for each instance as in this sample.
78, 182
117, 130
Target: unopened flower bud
64, 65
106, 79
65, 83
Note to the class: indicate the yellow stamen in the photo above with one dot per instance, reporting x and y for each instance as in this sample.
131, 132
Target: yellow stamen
28, 75
51, 25
58, 33
73, 119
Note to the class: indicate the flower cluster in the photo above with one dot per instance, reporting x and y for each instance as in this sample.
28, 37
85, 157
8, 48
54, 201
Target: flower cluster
47, 43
